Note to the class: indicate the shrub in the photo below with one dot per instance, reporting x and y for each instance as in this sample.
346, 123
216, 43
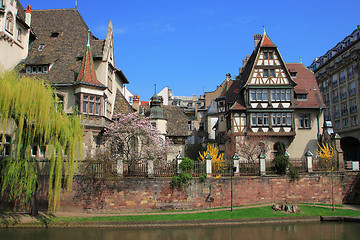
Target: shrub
186, 165
184, 177
203, 177
281, 164
294, 174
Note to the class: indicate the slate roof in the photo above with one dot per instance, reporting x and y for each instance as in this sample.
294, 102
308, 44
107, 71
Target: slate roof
21, 11
121, 105
65, 51
306, 83
177, 124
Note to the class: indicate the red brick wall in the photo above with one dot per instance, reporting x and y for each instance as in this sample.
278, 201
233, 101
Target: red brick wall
143, 194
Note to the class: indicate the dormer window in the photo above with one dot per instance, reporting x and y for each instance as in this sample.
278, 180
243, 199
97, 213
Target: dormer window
54, 35
37, 69
293, 74
301, 97
41, 47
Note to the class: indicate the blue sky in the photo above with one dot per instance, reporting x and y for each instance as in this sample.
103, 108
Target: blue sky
191, 45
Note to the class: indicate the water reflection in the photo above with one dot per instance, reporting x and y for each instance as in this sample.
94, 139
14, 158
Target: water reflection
309, 231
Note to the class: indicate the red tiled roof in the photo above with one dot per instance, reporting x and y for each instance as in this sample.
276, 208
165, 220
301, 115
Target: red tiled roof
266, 42
306, 83
87, 72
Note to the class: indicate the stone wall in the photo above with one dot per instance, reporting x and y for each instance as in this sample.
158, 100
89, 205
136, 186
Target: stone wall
143, 194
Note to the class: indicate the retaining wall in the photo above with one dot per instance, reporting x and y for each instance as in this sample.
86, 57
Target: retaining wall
144, 194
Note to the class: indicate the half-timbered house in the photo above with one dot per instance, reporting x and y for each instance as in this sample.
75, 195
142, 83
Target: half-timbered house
270, 98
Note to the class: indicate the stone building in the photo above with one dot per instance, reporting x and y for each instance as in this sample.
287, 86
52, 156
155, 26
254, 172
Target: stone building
80, 67
195, 110
15, 32
270, 98
171, 121
338, 75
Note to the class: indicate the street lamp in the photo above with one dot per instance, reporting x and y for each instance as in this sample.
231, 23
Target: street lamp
235, 157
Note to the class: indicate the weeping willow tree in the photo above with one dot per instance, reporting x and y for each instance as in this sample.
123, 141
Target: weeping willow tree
31, 104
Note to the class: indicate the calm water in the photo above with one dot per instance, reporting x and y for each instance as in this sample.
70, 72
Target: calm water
307, 231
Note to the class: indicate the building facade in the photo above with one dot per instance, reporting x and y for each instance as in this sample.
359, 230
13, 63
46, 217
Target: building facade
15, 33
271, 99
80, 67
338, 75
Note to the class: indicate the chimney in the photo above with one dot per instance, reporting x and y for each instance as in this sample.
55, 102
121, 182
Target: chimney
228, 77
28, 15
245, 60
136, 102
257, 39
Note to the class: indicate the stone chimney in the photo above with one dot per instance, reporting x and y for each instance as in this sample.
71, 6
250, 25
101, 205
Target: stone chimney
257, 39
136, 102
245, 60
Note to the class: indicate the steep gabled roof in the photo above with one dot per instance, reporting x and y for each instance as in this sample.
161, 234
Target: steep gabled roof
177, 121
65, 51
87, 75
121, 105
266, 42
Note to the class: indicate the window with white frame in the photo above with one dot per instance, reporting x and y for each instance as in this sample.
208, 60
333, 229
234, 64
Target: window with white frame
37, 69
38, 151
190, 125
41, 47
259, 119
304, 121
281, 119
280, 95
91, 105
6, 145
259, 95
19, 34
9, 23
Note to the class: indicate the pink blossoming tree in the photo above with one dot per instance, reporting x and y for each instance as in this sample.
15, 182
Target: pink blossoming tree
133, 139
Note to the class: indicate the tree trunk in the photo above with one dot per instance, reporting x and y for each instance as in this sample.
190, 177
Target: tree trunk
33, 204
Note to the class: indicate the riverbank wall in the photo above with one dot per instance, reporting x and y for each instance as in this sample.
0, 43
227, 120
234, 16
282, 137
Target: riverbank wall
151, 194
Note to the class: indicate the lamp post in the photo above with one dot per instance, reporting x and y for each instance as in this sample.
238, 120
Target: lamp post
235, 157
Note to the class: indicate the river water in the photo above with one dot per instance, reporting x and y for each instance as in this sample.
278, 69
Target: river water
308, 231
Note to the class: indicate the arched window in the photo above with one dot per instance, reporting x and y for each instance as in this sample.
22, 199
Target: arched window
9, 22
